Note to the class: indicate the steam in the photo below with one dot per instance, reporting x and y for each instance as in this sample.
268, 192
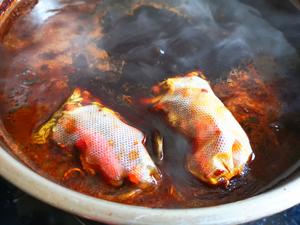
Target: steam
184, 35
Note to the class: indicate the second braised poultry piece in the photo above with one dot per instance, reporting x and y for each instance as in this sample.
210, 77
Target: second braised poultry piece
107, 144
221, 147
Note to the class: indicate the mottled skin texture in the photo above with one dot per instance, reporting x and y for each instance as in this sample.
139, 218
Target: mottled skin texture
50, 56
221, 148
107, 144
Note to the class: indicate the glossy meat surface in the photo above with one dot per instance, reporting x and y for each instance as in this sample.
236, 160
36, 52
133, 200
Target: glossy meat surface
43, 60
221, 147
107, 144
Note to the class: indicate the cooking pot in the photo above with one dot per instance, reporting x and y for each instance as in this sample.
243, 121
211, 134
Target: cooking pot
280, 195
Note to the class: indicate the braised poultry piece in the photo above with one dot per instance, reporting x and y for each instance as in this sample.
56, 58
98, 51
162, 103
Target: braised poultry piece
221, 148
118, 51
106, 143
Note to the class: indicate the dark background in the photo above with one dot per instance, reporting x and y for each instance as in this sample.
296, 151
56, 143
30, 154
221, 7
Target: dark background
18, 208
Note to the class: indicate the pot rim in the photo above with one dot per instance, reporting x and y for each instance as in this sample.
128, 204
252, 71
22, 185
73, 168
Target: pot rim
270, 202
273, 201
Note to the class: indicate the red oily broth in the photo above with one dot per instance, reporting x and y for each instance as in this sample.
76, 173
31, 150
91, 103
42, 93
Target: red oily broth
57, 47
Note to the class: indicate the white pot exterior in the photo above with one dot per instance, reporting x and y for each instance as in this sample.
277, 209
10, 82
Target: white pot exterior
270, 202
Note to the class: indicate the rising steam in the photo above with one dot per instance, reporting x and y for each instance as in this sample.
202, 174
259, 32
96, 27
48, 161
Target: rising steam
171, 37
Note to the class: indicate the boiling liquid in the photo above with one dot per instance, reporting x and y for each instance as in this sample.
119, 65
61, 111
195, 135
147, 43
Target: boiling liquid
115, 52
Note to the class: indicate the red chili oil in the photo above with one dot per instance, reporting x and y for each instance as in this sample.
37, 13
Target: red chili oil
46, 54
